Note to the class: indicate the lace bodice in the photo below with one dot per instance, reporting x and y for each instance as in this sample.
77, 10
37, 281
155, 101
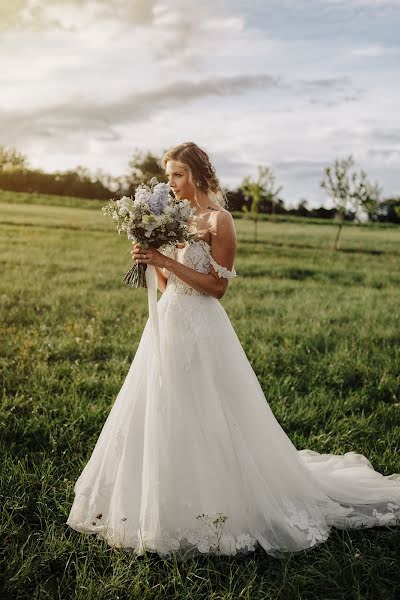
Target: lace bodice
197, 256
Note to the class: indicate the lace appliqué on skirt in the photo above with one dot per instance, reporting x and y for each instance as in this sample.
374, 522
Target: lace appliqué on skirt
206, 538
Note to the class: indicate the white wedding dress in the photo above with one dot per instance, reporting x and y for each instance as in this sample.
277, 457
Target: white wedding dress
191, 460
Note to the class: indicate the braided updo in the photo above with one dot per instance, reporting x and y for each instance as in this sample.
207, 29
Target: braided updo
201, 172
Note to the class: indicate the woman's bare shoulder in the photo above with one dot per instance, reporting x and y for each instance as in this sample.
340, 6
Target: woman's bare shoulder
224, 226
219, 209
220, 215
223, 216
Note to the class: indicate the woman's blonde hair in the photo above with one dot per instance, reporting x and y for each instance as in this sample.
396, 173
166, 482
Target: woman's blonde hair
201, 172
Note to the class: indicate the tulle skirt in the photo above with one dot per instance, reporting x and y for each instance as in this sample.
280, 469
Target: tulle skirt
194, 462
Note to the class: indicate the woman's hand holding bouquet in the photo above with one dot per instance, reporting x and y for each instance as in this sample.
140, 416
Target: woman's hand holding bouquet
151, 256
152, 219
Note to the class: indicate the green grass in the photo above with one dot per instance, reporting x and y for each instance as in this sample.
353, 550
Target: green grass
49, 200
321, 330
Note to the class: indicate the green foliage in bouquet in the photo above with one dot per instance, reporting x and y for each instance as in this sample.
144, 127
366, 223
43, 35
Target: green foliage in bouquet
152, 218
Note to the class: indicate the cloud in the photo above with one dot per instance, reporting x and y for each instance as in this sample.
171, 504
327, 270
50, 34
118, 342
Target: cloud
72, 15
230, 165
370, 134
325, 83
78, 116
376, 51
285, 83
300, 164
385, 135
385, 152
177, 33
364, 3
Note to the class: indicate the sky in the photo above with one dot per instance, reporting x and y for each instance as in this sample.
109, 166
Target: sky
289, 84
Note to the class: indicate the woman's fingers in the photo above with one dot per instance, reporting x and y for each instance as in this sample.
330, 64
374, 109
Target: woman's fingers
137, 252
139, 255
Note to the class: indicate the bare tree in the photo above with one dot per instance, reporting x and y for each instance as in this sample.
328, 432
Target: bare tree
256, 191
349, 191
370, 197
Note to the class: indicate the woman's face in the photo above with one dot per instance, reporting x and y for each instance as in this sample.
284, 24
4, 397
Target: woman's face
178, 179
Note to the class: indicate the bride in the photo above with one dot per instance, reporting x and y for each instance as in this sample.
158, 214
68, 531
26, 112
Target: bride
191, 459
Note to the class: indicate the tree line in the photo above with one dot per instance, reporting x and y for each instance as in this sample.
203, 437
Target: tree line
349, 191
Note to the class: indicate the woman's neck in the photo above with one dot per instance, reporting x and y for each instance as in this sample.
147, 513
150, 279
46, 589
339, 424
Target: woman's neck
201, 203
204, 206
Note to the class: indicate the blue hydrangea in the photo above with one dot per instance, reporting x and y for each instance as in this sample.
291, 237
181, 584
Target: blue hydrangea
159, 198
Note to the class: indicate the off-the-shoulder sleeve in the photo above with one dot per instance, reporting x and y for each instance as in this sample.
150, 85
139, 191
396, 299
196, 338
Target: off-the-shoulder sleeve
223, 271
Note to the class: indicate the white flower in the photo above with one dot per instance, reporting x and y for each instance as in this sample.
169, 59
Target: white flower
125, 205
141, 196
203, 546
169, 209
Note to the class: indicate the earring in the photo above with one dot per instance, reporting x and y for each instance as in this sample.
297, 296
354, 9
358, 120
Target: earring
198, 184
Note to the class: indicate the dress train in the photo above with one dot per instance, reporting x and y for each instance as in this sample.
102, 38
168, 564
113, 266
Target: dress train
192, 461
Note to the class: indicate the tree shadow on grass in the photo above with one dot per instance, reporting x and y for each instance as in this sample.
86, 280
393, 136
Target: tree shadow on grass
342, 278
351, 250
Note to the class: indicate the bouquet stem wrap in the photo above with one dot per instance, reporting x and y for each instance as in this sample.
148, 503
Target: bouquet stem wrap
151, 282
135, 277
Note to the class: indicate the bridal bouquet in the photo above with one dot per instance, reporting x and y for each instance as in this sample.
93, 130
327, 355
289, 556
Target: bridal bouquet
153, 219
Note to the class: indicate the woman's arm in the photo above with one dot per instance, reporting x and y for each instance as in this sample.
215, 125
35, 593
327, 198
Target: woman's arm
223, 248
203, 282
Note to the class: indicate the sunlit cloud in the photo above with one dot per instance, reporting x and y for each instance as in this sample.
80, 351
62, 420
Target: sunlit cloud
284, 83
95, 117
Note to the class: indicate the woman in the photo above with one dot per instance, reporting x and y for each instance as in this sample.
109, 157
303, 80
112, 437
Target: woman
191, 459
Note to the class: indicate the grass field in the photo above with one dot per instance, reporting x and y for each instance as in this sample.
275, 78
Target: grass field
321, 330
